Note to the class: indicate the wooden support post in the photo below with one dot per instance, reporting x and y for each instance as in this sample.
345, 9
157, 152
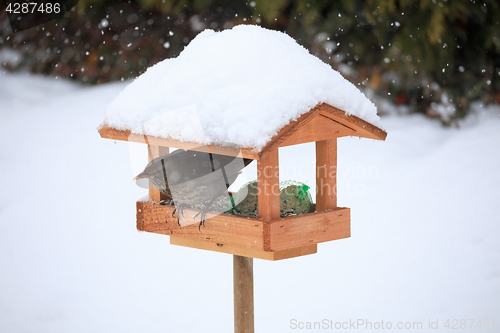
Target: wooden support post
243, 294
326, 175
154, 152
268, 182
269, 209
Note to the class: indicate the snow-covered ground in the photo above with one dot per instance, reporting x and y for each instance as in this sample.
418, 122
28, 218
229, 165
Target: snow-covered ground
424, 246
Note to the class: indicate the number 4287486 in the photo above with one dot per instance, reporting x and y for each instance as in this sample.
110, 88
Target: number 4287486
32, 7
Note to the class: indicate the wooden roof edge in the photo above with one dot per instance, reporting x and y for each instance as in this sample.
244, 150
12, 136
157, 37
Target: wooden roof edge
288, 130
365, 129
362, 128
108, 132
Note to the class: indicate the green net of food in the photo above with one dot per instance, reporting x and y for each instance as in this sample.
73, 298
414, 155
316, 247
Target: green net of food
246, 200
295, 199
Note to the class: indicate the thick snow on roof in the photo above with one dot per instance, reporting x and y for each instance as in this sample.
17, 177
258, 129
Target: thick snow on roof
238, 86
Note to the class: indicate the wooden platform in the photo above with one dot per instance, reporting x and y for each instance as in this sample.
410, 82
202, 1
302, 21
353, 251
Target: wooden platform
271, 240
245, 252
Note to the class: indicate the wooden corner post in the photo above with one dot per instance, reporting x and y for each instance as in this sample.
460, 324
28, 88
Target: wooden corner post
326, 175
154, 152
268, 182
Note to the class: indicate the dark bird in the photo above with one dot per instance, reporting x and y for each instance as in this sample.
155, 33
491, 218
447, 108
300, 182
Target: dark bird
193, 179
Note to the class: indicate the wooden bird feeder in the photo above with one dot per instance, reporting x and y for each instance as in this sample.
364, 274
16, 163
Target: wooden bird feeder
268, 237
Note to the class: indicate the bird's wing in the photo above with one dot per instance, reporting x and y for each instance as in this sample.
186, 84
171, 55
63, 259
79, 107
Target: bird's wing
188, 165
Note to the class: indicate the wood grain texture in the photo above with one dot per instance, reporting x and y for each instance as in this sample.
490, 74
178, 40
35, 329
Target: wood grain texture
363, 128
282, 234
245, 252
268, 186
293, 133
108, 132
222, 229
288, 131
243, 294
302, 230
347, 125
319, 128
268, 190
326, 174
155, 151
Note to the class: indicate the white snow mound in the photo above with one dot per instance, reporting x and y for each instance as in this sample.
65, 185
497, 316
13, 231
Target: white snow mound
243, 85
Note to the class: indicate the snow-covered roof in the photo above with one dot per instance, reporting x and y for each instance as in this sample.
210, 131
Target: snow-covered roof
239, 87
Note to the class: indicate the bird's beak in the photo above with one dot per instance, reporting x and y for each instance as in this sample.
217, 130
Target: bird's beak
140, 176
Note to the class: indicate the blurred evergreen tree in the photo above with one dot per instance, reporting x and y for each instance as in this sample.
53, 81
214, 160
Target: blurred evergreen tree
434, 56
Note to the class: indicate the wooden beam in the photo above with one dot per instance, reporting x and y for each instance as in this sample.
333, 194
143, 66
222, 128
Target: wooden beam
318, 129
155, 151
223, 229
363, 128
326, 174
360, 127
353, 126
254, 234
288, 131
268, 191
243, 294
108, 132
245, 252
268, 186
303, 230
